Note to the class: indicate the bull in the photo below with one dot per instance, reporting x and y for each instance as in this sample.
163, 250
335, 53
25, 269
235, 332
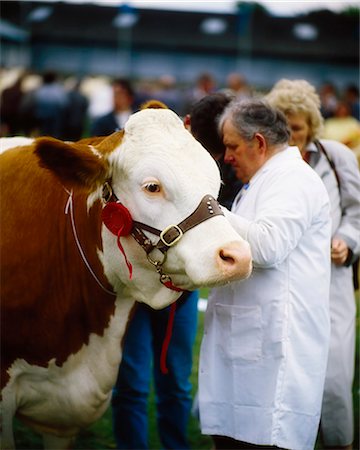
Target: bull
88, 229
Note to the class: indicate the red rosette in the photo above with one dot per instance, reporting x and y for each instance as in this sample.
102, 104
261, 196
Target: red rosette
117, 219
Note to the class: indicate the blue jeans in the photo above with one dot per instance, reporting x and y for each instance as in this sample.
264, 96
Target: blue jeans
141, 353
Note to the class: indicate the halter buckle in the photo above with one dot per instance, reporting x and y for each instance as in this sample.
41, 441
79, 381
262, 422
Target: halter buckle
171, 235
107, 192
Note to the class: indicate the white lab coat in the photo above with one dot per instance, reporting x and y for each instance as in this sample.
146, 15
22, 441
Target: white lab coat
337, 421
265, 344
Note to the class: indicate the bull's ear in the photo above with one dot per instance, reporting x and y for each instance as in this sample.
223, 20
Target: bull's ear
153, 104
76, 165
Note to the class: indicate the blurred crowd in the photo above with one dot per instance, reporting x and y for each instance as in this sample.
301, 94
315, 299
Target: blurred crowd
69, 108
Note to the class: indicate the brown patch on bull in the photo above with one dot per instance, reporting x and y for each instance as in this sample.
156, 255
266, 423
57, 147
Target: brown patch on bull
104, 144
94, 140
153, 104
108, 144
53, 303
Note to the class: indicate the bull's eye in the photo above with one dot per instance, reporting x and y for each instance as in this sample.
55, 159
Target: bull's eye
153, 187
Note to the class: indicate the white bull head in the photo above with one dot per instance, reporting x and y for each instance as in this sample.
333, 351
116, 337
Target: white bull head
160, 173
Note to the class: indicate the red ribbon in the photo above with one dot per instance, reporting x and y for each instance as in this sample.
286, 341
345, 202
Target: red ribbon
118, 220
167, 338
128, 263
172, 286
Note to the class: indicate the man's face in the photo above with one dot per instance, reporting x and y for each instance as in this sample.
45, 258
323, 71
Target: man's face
245, 157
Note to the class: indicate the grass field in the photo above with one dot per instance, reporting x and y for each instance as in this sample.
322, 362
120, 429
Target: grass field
100, 436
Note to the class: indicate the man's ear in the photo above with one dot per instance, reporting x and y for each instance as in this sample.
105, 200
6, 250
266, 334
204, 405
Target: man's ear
187, 122
260, 142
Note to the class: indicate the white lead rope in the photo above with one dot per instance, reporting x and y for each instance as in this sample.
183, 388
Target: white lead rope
69, 207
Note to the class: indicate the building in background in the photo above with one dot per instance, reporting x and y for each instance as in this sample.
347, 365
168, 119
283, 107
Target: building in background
89, 39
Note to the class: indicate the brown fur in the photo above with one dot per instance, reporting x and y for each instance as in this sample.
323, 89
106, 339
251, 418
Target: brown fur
50, 301
153, 104
75, 164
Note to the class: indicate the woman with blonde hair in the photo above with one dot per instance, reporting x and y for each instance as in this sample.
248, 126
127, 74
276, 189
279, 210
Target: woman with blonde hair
337, 166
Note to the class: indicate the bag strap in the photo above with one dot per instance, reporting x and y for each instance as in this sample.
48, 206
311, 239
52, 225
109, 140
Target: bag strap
321, 149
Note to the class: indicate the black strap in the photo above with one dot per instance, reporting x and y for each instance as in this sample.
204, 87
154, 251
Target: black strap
321, 148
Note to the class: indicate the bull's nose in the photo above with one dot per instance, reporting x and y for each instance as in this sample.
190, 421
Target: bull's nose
234, 260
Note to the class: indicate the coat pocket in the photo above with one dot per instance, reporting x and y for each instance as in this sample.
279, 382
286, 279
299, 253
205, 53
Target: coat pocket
240, 331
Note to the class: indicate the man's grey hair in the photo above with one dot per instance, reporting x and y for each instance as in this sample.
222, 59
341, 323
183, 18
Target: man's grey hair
256, 116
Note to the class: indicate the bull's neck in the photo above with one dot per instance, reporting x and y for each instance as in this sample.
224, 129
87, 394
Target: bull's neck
105, 352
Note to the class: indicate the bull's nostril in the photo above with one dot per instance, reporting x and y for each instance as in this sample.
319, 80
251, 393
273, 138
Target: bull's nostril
228, 259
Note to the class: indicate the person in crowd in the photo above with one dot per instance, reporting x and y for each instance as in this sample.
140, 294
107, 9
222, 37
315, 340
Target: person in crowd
29, 125
10, 104
168, 93
237, 86
328, 99
143, 344
76, 113
205, 84
338, 169
264, 350
49, 103
343, 127
202, 123
351, 96
123, 107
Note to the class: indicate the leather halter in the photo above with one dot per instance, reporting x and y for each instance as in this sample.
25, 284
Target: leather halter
169, 236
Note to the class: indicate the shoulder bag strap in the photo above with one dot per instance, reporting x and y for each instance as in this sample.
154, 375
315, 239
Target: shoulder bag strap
321, 149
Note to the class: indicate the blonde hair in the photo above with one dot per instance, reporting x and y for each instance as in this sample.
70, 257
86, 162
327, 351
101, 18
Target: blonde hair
295, 97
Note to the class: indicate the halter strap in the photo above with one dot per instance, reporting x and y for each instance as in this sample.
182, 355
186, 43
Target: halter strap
207, 208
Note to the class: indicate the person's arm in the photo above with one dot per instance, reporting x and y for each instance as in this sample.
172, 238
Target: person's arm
286, 208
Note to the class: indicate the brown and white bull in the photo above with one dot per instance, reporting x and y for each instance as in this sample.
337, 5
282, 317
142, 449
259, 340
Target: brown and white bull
73, 263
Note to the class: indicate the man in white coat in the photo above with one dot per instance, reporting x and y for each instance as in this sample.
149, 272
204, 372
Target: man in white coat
265, 345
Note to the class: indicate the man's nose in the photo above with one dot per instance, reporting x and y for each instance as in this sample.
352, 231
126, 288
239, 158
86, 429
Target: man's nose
228, 158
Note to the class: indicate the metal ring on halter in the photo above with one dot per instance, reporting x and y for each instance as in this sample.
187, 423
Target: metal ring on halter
157, 264
107, 192
165, 278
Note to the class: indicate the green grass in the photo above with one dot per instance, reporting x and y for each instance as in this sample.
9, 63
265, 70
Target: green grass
99, 436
